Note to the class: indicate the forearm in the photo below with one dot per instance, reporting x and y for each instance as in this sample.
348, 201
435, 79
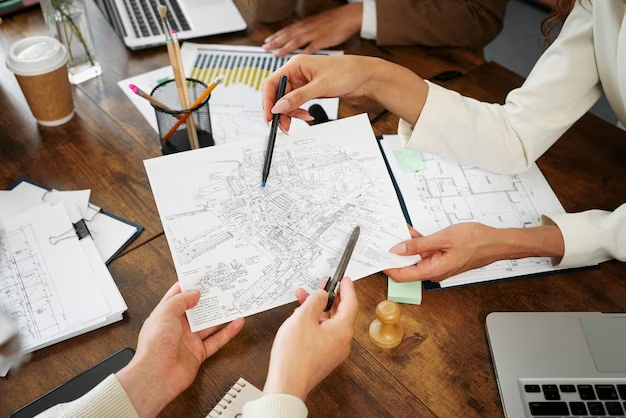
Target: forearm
397, 89
144, 391
516, 243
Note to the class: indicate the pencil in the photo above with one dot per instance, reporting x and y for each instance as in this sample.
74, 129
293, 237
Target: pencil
179, 74
272, 138
195, 104
151, 99
178, 68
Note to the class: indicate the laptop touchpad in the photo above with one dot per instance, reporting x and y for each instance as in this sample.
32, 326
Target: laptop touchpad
606, 337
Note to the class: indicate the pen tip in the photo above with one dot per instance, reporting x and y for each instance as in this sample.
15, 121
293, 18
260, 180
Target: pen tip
262, 184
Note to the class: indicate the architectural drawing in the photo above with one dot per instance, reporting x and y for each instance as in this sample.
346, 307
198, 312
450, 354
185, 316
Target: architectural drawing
26, 291
445, 193
248, 248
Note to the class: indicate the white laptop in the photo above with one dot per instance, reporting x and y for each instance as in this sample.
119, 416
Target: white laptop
138, 22
559, 364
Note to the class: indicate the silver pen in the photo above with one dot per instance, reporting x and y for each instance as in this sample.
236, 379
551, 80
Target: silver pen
333, 283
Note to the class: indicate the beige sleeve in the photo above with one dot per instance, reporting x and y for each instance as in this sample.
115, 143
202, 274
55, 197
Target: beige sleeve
275, 406
107, 400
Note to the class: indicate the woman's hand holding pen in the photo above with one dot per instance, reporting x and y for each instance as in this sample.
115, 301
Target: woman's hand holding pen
468, 246
312, 343
310, 77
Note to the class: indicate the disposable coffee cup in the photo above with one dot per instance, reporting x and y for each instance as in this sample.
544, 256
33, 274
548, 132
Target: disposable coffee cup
40, 66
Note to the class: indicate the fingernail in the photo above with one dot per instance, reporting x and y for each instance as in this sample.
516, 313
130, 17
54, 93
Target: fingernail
398, 248
307, 118
283, 130
266, 46
266, 123
281, 106
276, 53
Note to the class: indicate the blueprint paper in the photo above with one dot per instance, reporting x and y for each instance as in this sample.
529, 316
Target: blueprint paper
235, 105
445, 193
248, 248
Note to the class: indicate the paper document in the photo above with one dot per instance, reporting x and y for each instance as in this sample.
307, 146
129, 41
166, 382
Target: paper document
445, 193
248, 248
109, 234
235, 105
46, 284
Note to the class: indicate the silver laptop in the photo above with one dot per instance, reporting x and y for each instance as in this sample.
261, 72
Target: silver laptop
138, 22
559, 364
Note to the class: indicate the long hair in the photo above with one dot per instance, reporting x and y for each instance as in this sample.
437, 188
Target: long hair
556, 17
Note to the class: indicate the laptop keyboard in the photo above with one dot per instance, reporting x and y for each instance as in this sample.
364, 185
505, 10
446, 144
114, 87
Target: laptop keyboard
145, 20
581, 399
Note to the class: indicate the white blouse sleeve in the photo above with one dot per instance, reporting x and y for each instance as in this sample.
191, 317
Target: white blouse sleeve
507, 138
591, 237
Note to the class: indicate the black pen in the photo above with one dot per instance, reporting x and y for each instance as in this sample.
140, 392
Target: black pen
272, 139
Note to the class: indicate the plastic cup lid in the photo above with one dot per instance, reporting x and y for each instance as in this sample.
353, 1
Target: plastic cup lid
36, 55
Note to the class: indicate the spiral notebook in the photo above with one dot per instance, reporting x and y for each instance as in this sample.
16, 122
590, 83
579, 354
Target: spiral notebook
235, 397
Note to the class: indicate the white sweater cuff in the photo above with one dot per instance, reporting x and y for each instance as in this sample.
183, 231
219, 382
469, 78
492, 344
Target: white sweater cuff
276, 406
584, 237
108, 399
369, 28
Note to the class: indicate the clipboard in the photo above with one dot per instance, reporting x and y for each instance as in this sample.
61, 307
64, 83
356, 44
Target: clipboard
430, 285
99, 211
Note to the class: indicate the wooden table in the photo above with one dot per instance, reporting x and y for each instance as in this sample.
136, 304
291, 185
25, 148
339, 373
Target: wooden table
443, 366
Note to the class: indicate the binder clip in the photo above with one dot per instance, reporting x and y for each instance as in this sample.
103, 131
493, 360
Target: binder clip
79, 228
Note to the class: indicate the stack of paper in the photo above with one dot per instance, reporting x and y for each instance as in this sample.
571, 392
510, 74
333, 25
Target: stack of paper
54, 284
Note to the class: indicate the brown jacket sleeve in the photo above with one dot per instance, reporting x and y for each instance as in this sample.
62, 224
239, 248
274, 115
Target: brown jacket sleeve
269, 11
464, 23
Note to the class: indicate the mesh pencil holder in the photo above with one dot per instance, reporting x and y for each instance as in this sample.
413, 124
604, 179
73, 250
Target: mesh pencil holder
167, 94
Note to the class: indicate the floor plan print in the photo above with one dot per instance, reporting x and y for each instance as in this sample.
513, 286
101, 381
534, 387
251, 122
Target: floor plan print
26, 291
248, 248
445, 193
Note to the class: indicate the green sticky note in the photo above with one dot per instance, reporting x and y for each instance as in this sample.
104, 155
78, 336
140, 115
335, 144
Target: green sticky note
409, 159
409, 292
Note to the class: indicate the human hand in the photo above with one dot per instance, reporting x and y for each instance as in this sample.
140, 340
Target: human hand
312, 77
324, 30
466, 246
311, 343
451, 251
168, 354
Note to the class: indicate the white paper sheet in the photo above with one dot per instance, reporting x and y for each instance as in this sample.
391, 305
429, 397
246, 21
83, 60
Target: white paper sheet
108, 233
445, 193
47, 284
248, 248
235, 105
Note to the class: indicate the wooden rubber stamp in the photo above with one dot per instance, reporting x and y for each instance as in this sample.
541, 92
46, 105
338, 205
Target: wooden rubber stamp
385, 330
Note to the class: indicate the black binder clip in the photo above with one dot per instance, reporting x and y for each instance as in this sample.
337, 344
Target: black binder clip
80, 229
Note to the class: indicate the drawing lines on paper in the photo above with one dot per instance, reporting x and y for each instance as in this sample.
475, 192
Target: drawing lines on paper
452, 193
292, 229
26, 291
